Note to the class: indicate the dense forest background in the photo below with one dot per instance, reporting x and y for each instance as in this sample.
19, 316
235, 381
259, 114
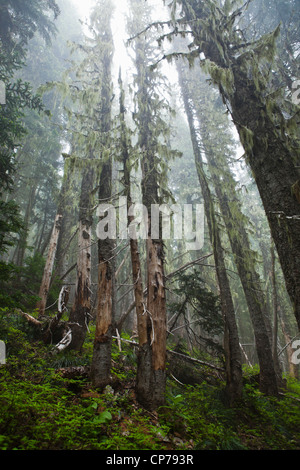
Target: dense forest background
178, 104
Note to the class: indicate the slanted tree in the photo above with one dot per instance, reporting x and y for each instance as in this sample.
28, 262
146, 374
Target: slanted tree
54, 238
241, 69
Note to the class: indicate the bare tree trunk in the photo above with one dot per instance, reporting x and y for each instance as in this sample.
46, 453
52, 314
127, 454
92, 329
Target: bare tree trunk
80, 313
105, 316
45, 284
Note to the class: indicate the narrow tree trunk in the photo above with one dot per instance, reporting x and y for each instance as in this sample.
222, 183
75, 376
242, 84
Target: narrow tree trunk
231, 337
45, 284
275, 301
80, 313
105, 316
293, 368
134, 247
21, 248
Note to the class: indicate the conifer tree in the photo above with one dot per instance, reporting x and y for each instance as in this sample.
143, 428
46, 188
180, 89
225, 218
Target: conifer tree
105, 317
241, 69
216, 146
155, 152
231, 336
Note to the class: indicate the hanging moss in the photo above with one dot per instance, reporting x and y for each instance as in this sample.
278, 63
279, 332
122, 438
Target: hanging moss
219, 75
247, 137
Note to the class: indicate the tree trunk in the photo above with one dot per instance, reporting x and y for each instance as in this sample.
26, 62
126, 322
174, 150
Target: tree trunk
22, 245
275, 173
134, 247
293, 368
275, 301
105, 316
80, 313
263, 133
231, 337
105, 313
45, 284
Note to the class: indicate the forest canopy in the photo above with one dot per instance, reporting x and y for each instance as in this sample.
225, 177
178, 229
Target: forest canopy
150, 199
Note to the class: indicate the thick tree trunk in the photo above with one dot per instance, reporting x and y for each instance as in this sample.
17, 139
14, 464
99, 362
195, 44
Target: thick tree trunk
270, 153
45, 284
151, 373
275, 173
151, 369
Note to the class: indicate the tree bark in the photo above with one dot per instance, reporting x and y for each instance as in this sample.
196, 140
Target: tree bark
264, 135
45, 284
275, 173
134, 247
80, 313
231, 338
105, 315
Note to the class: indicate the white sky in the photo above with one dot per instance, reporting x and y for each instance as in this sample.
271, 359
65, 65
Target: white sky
118, 29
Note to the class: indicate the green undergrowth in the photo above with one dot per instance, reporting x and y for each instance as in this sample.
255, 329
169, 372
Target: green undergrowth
40, 409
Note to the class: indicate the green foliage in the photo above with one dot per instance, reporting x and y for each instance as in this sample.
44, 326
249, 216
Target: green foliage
204, 305
20, 285
19, 21
42, 410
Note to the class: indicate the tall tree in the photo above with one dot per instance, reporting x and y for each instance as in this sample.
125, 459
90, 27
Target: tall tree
241, 69
81, 309
153, 133
126, 158
216, 146
231, 336
105, 318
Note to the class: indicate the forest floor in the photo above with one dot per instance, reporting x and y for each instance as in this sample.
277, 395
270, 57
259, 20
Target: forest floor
42, 408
